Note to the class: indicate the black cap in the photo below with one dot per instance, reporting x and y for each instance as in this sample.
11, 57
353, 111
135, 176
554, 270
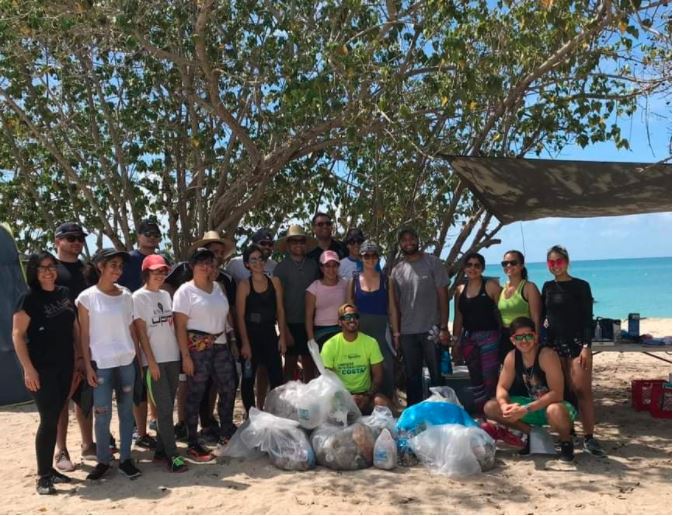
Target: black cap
407, 231
148, 225
107, 253
354, 234
261, 235
201, 253
69, 228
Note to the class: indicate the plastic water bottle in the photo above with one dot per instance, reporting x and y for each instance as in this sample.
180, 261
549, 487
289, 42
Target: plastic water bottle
445, 366
247, 369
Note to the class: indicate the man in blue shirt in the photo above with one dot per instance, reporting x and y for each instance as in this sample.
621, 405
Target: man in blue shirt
149, 236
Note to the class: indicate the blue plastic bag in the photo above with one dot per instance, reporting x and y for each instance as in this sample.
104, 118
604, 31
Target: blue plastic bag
418, 417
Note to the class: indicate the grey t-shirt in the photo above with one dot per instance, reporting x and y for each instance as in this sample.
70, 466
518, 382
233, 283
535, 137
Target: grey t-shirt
416, 284
237, 268
295, 278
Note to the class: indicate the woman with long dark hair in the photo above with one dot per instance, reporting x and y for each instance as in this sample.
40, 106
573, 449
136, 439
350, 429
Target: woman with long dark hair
568, 313
45, 334
476, 325
518, 298
105, 313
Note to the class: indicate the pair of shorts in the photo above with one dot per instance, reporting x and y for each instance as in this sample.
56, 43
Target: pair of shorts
567, 348
298, 332
539, 417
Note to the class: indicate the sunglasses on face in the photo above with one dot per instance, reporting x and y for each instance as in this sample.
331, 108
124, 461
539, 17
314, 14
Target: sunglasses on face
473, 265
152, 234
556, 263
349, 317
266, 243
354, 242
297, 241
47, 268
323, 224
159, 272
370, 256
330, 265
509, 263
256, 260
528, 337
73, 238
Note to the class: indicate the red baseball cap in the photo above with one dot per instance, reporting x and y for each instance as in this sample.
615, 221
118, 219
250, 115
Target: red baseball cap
154, 262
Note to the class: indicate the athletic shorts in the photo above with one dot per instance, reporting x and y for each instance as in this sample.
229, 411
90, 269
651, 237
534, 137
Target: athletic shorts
539, 417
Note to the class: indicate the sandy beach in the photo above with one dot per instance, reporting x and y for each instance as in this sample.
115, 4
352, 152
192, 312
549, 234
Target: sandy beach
635, 477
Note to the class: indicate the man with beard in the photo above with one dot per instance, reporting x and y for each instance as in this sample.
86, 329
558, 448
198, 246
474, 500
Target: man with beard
69, 242
322, 229
422, 298
264, 239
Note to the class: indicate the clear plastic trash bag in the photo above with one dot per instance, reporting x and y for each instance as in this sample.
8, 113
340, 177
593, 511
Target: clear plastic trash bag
444, 393
281, 439
237, 449
380, 418
342, 448
454, 450
385, 450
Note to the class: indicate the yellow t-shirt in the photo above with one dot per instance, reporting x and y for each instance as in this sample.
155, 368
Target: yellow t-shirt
351, 361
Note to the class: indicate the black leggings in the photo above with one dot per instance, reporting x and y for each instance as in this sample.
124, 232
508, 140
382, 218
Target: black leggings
264, 344
50, 399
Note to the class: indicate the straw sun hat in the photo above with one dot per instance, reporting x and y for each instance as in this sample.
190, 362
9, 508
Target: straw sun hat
295, 230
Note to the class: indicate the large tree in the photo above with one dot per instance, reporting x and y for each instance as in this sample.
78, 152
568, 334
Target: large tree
237, 113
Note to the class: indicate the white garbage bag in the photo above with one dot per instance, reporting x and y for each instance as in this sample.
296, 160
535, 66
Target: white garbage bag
385, 451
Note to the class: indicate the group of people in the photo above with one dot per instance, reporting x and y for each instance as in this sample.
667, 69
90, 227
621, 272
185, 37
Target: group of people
185, 336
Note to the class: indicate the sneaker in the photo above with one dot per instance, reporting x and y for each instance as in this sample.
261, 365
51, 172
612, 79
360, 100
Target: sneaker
62, 461
592, 446
45, 486
159, 456
181, 433
59, 478
129, 470
567, 451
526, 447
89, 453
152, 425
177, 465
98, 472
500, 433
210, 435
146, 442
197, 454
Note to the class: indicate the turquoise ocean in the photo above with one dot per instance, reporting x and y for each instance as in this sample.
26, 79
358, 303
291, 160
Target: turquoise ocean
619, 286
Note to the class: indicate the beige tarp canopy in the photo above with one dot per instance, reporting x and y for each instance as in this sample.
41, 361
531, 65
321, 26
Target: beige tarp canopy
526, 189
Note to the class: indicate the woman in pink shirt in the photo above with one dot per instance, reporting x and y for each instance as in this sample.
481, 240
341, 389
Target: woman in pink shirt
323, 298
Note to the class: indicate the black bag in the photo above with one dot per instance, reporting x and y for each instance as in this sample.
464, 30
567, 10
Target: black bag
604, 328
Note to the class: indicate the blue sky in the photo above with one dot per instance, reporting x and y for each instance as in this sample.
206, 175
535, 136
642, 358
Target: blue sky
629, 236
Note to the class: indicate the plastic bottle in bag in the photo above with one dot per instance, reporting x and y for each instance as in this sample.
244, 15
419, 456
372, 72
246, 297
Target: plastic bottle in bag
385, 451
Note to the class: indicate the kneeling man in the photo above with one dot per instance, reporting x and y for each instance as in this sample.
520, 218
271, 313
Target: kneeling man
357, 361
530, 389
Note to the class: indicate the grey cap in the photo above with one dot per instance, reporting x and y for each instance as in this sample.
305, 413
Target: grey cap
369, 247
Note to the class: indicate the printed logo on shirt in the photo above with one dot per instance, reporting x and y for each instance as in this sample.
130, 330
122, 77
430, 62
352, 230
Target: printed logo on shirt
57, 308
160, 317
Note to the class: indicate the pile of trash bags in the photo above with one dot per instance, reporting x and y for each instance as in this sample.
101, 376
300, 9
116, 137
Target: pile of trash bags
318, 423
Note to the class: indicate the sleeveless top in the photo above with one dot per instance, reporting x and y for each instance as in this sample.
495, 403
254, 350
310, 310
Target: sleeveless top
529, 381
478, 312
372, 303
260, 307
515, 306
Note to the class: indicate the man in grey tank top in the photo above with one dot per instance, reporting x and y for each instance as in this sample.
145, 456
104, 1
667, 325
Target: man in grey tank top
422, 299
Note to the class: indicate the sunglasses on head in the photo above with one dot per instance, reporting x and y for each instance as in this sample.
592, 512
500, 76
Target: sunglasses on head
473, 265
152, 234
507, 263
528, 337
350, 317
556, 263
74, 238
321, 224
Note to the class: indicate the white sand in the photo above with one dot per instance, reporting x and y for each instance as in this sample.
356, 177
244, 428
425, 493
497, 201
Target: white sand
634, 479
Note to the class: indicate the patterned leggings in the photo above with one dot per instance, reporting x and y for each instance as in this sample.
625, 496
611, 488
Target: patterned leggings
480, 350
216, 363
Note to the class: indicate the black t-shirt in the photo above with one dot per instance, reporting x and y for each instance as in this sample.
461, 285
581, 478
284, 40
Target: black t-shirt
71, 275
336, 246
568, 307
50, 331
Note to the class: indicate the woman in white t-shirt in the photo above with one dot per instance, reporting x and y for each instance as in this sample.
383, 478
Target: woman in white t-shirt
323, 298
152, 309
105, 313
202, 318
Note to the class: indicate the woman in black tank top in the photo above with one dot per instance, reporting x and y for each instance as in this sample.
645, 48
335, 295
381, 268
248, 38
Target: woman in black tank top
476, 325
259, 306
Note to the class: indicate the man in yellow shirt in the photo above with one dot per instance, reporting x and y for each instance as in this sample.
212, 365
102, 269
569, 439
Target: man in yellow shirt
357, 360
